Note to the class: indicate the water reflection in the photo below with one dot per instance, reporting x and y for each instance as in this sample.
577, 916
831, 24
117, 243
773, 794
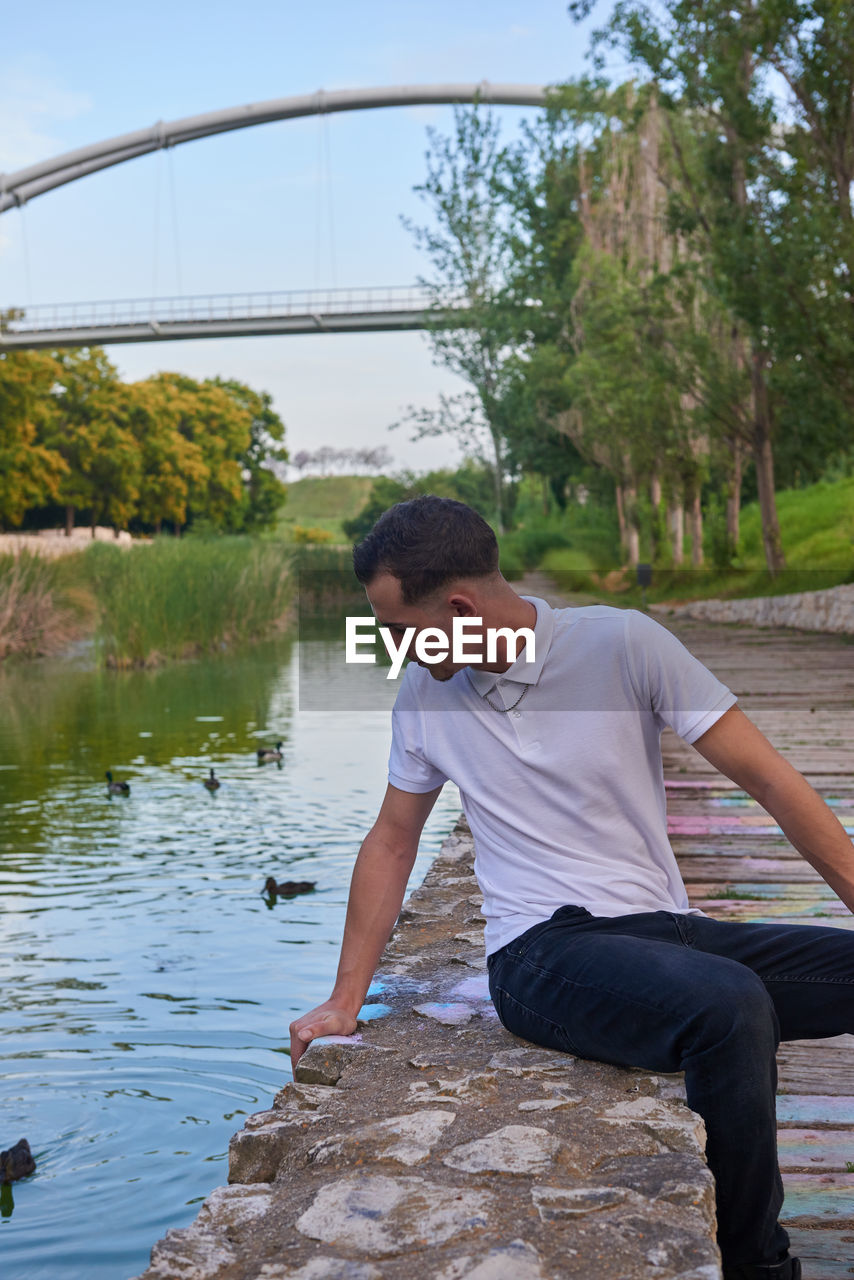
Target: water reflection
147, 983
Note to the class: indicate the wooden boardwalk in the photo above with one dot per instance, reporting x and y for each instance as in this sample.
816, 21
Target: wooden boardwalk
799, 689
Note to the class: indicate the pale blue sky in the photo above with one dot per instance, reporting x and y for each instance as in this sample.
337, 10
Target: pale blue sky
259, 208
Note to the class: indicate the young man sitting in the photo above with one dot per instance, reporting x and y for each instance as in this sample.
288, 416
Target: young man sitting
592, 946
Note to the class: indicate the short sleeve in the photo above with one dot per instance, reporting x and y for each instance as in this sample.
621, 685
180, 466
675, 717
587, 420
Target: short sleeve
670, 681
409, 769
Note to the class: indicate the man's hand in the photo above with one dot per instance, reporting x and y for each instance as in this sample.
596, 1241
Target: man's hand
328, 1019
376, 893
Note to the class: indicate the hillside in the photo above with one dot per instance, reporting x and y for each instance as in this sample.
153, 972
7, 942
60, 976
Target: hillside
322, 502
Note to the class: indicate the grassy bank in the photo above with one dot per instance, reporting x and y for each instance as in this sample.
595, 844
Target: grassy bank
45, 605
580, 550
323, 502
180, 598
173, 599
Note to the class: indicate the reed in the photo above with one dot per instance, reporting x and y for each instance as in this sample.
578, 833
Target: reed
182, 598
42, 606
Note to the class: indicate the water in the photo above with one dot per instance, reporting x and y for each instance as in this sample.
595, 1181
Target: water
147, 985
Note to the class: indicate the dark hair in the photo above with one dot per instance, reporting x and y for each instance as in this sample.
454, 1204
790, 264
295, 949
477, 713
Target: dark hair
426, 542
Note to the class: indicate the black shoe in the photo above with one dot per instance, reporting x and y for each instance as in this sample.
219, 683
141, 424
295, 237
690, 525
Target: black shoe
788, 1269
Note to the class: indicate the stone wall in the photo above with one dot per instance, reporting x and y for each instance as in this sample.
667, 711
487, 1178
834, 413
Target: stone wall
434, 1139
830, 610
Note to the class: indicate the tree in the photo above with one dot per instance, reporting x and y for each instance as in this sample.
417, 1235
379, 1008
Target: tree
30, 472
171, 465
469, 249
84, 383
264, 492
767, 190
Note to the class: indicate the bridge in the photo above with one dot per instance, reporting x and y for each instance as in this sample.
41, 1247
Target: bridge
369, 310
36, 179
219, 315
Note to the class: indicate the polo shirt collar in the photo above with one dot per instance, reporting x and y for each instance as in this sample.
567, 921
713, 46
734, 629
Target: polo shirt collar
521, 672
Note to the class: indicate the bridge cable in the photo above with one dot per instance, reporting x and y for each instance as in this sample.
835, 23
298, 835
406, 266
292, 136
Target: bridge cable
324, 219
28, 281
330, 200
158, 163
176, 243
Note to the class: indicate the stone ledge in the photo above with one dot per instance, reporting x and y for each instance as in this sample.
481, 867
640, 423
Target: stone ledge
435, 1139
830, 610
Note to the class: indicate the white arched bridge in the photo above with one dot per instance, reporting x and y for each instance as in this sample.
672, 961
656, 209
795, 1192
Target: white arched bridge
220, 315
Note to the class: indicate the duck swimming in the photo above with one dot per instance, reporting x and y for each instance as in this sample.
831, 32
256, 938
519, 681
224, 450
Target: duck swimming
17, 1162
288, 888
213, 782
117, 788
269, 753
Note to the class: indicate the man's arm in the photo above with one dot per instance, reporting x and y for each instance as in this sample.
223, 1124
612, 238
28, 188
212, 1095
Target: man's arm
376, 894
737, 748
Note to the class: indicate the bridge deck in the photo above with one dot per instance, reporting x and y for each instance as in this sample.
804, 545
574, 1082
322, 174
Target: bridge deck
80, 324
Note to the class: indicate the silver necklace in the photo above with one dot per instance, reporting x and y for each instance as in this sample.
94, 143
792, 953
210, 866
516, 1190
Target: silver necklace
504, 710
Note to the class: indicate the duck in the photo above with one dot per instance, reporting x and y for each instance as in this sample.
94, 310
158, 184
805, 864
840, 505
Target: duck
117, 788
288, 888
269, 753
213, 782
17, 1162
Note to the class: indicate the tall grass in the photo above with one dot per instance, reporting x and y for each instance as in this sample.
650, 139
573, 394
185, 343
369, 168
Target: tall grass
181, 598
42, 605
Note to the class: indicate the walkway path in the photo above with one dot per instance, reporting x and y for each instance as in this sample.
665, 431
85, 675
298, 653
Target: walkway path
799, 689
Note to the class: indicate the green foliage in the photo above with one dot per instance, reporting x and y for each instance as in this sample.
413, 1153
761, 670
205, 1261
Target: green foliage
165, 449
302, 534
718, 544
470, 484
180, 597
580, 541
30, 472
323, 502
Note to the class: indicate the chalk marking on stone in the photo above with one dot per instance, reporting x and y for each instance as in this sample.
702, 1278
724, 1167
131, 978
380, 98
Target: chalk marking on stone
449, 1013
474, 988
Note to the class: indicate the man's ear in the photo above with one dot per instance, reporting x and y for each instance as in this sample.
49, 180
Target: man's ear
463, 606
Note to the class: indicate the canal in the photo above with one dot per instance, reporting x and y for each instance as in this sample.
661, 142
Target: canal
147, 982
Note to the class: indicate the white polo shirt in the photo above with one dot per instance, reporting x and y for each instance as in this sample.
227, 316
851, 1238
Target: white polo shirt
564, 793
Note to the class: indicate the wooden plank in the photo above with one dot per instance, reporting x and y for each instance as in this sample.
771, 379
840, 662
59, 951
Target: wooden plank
759, 891
785, 912
706, 867
816, 1066
826, 1253
811, 1110
821, 1198
816, 1150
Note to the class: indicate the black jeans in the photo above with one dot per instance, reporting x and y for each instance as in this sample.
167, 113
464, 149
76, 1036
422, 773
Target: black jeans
672, 992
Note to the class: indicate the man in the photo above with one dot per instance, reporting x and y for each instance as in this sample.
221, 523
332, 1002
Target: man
592, 946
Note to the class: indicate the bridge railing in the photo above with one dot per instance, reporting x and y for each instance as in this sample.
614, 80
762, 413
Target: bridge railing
219, 306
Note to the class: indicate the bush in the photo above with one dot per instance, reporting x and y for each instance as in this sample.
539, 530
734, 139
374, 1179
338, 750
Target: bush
303, 534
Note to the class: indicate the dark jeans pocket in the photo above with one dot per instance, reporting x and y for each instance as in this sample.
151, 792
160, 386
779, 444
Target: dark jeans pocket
528, 1024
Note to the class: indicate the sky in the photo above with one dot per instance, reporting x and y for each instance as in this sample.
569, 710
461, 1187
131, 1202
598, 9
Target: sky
311, 203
